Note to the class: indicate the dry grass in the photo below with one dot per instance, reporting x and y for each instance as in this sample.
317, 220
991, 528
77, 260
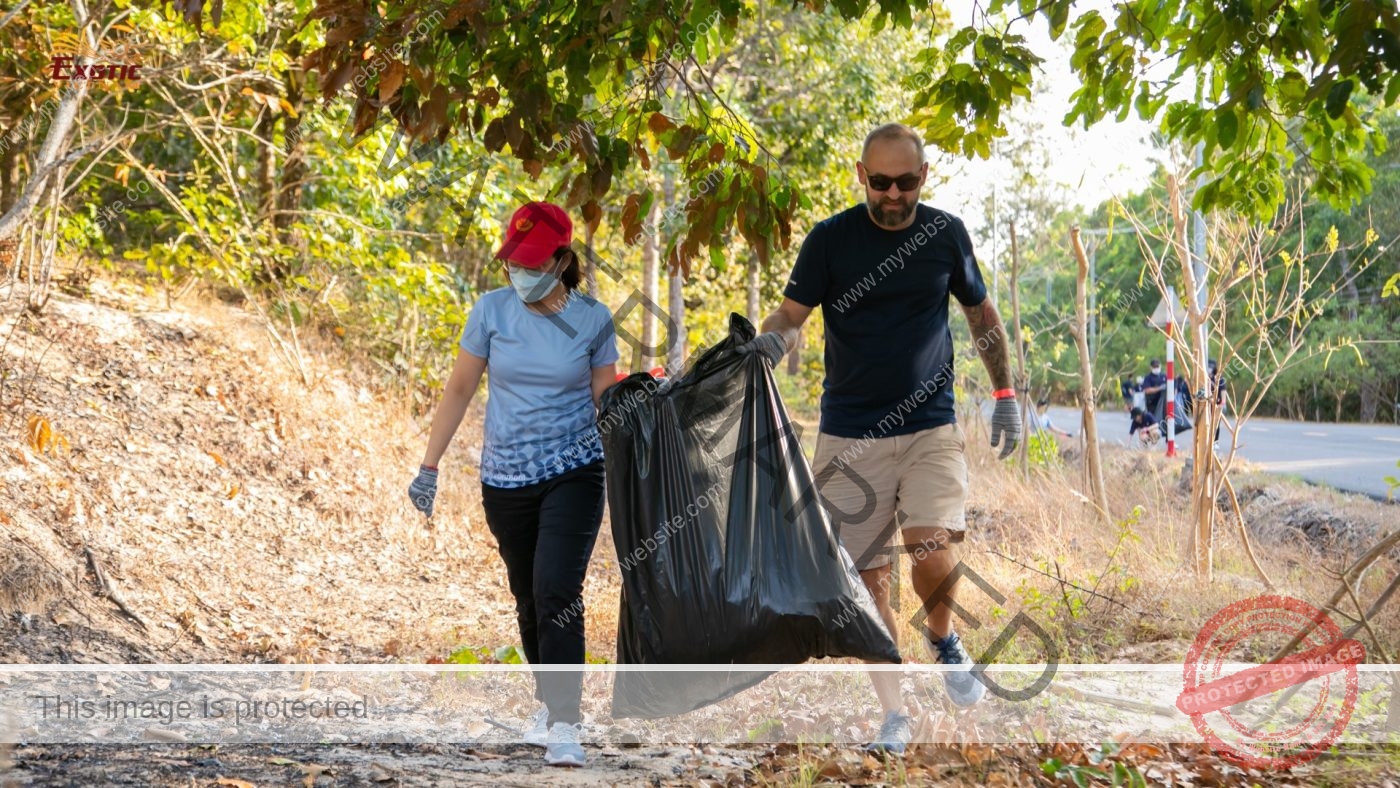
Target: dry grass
27, 586
251, 518
1157, 606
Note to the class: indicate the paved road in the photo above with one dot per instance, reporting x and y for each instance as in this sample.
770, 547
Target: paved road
1352, 457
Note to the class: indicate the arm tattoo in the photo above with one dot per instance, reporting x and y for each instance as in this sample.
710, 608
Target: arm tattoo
991, 340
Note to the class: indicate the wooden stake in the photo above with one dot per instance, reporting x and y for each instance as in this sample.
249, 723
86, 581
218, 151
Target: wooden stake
1021, 384
1093, 466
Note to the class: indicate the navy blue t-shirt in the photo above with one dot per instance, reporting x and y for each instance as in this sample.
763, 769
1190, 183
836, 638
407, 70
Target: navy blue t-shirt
884, 299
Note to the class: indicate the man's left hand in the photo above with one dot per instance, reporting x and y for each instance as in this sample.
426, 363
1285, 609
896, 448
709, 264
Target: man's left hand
1006, 426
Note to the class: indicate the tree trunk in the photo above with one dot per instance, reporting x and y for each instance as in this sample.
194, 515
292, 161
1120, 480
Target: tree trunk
1093, 466
55, 144
1020, 383
752, 306
289, 191
1205, 481
56, 141
265, 164
676, 333
9, 169
676, 350
650, 262
1353, 297
590, 271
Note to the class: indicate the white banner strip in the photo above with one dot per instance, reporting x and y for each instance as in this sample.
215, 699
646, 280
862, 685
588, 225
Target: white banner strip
731, 704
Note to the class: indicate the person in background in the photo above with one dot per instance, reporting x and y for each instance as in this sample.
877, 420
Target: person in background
1145, 426
1184, 403
1139, 399
1154, 387
542, 457
1217, 391
1042, 420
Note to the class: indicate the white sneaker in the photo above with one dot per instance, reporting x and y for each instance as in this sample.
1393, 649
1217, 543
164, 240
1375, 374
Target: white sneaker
563, 748
538, 732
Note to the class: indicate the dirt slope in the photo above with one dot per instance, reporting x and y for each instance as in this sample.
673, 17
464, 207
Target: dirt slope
239, 515
172, 491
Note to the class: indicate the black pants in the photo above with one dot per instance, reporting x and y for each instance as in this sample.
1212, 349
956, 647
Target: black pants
546, 533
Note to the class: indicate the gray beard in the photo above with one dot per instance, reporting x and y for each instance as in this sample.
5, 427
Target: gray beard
890, 216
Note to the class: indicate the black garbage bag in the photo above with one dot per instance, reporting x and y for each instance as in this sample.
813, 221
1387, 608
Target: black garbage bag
1181, 414
726, 553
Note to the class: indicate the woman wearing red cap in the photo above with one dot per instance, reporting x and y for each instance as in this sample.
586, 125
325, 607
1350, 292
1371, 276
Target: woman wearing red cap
551, 352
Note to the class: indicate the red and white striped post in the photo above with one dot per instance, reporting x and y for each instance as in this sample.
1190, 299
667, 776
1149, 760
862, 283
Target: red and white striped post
1171, 393
1165, 317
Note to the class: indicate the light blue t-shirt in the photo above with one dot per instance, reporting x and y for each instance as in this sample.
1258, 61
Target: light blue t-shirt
540, 418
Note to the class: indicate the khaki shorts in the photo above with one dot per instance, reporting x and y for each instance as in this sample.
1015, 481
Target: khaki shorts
873, 487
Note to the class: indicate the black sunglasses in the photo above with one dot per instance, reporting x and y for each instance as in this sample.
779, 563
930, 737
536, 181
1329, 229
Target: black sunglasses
907, 182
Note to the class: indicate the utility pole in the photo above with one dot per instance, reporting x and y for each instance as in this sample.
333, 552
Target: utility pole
996, 272
1198, 269
1198, 263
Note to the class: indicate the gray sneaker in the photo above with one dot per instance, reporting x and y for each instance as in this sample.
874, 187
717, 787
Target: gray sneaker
964, 689
563, 748
538, 732
894, 734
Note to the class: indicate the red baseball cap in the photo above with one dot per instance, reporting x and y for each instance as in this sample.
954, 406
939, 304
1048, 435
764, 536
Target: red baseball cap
535, 232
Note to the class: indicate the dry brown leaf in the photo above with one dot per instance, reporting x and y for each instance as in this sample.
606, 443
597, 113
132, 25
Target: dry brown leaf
314, 772
39, 434
1144, 750
234, 783
659, 123
390, 81
232, 492
977, 754
832, 770
215, 456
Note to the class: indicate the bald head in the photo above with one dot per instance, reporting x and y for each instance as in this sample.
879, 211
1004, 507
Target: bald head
894, 133
893, 170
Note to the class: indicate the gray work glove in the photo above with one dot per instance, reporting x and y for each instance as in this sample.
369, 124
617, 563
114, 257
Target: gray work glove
769, 344
1006, 421
423, 490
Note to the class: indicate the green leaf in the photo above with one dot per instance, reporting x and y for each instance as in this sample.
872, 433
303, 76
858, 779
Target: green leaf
1228, 125
1391, 288
718, 261
1392, 90
464, 656
1059, 17
1338, 96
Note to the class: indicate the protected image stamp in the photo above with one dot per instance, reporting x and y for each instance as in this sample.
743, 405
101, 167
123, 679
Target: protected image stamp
1297, 707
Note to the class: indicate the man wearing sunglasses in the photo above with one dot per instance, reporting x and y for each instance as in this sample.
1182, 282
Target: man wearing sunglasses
890, 451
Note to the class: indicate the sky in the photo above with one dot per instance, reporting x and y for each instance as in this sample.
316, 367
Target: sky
1109, 159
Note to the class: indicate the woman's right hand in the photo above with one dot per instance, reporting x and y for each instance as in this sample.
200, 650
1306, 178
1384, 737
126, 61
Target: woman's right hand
424, 489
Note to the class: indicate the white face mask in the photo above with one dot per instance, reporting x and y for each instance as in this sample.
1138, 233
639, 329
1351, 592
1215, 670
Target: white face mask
532, 286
